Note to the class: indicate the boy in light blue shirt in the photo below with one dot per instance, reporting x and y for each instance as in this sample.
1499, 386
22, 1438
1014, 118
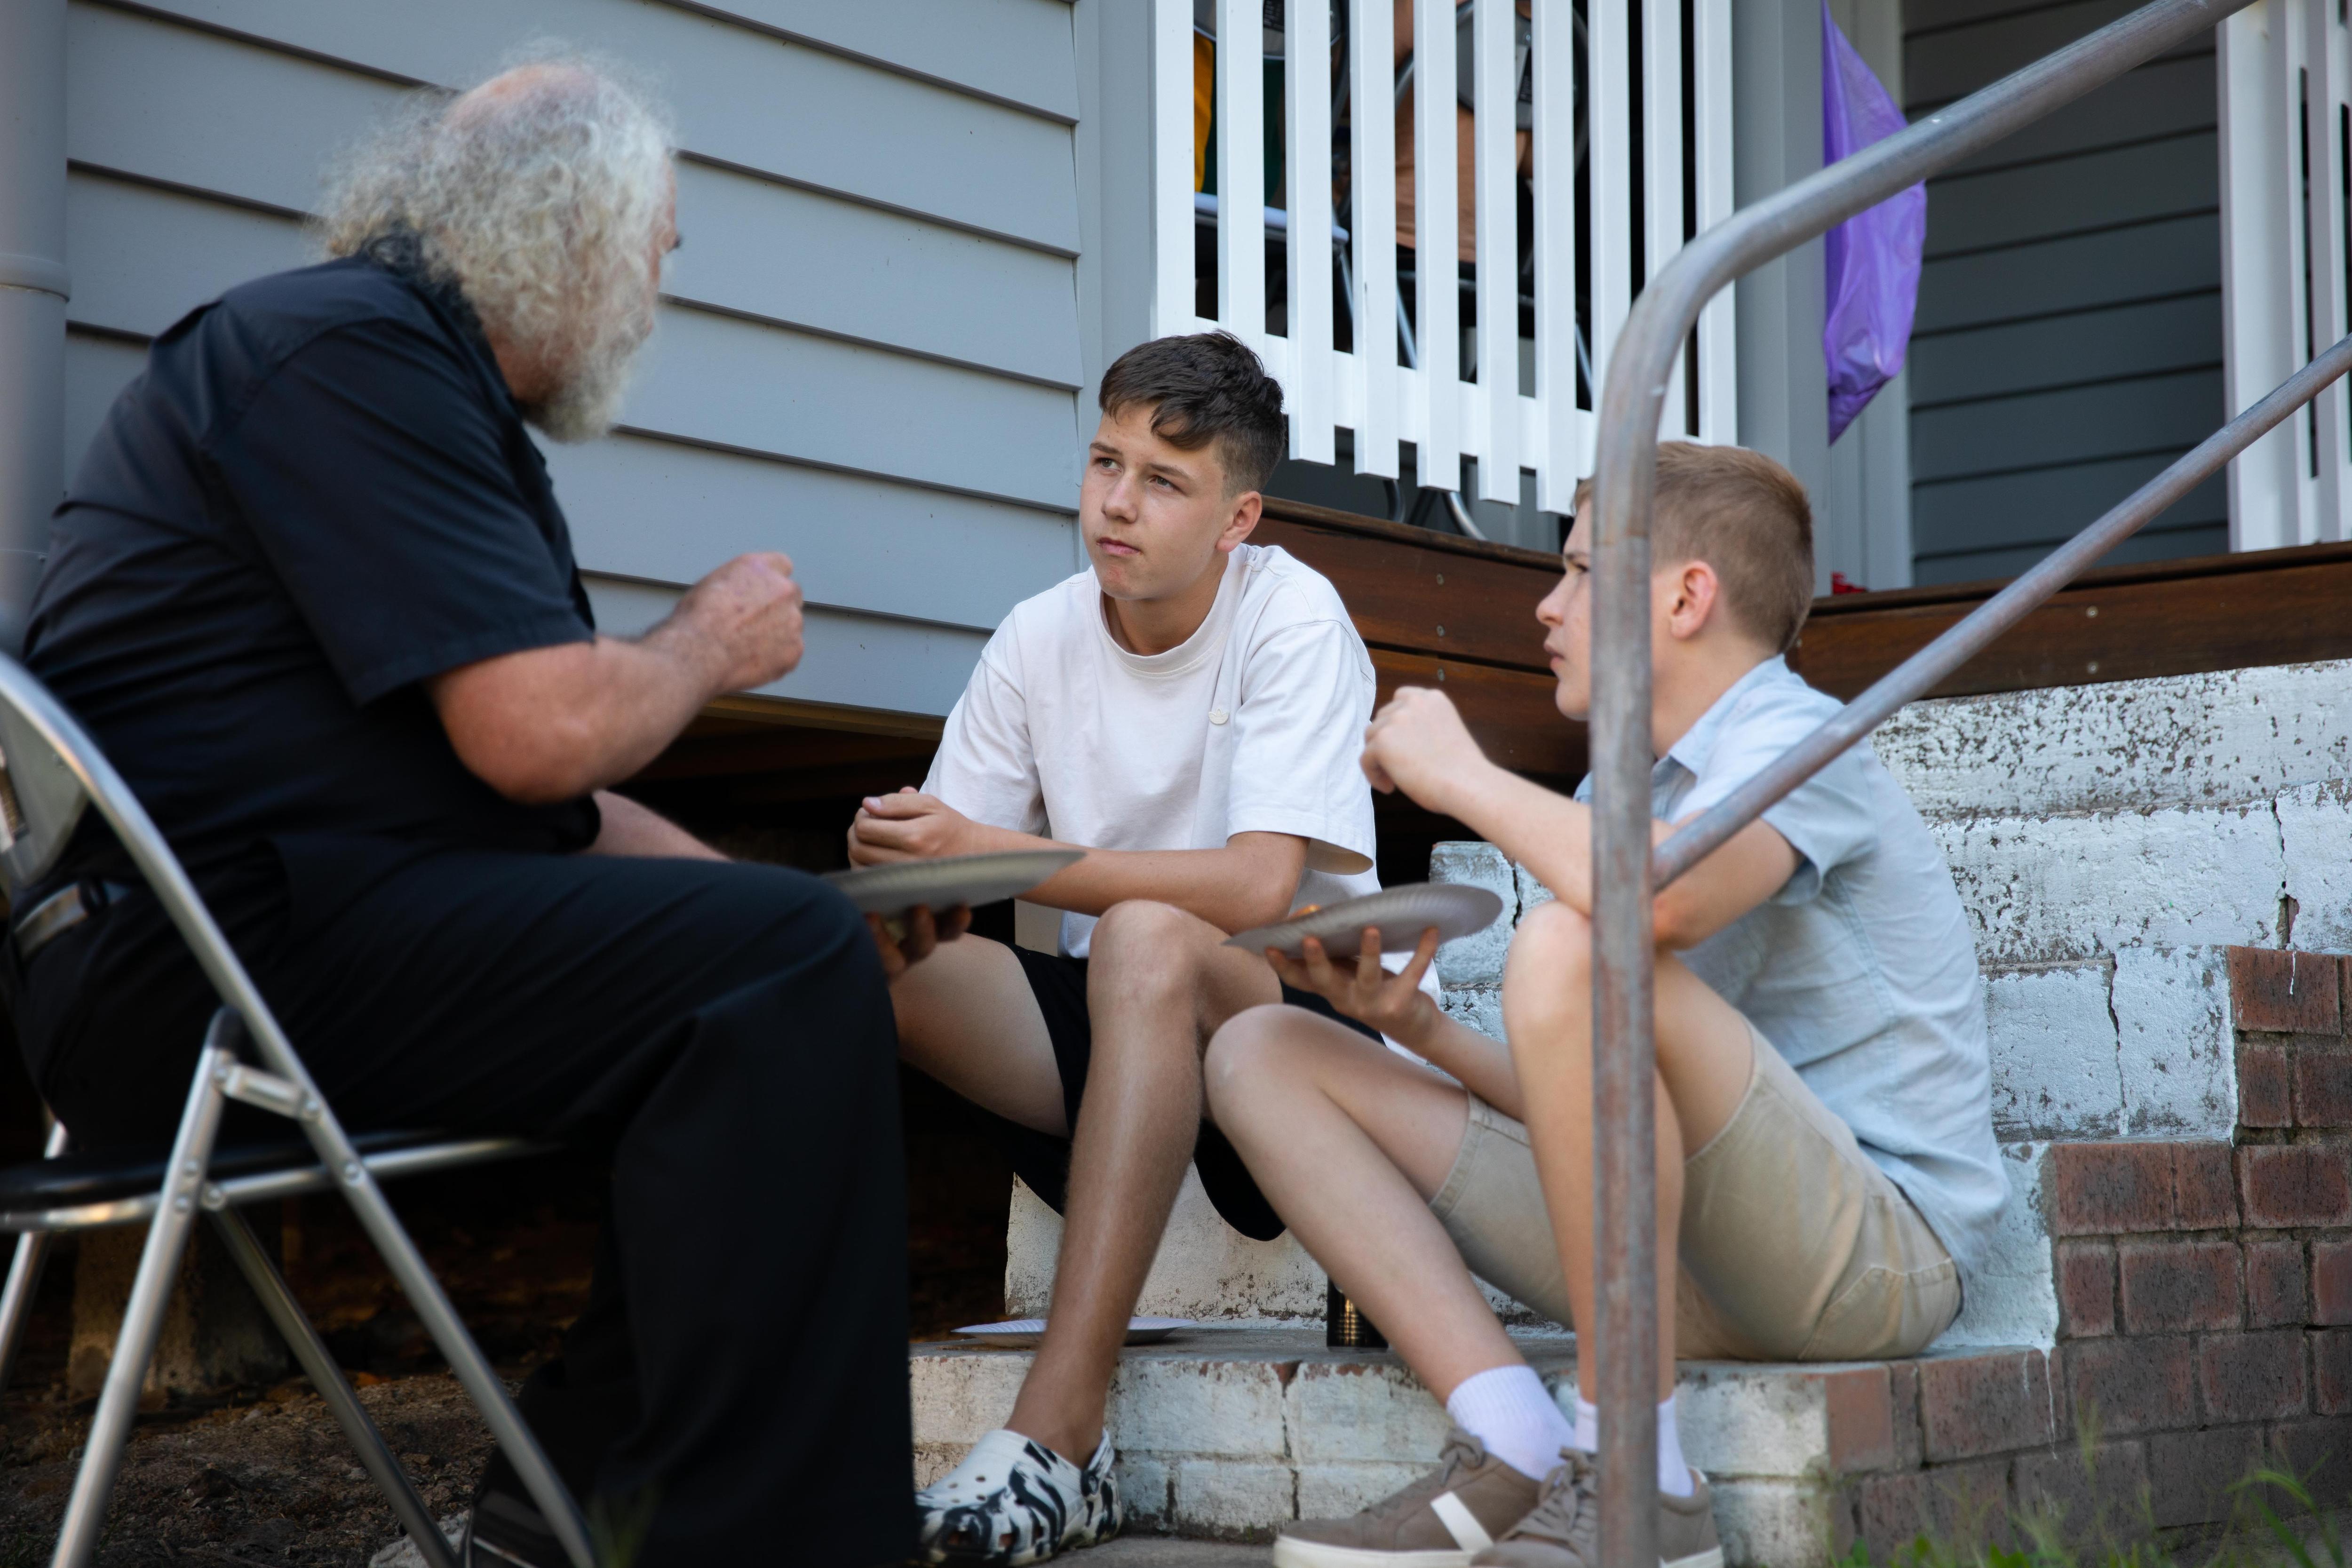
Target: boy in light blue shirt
1827, 1176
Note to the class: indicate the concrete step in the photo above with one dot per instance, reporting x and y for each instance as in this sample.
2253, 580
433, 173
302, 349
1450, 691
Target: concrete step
1231, 1431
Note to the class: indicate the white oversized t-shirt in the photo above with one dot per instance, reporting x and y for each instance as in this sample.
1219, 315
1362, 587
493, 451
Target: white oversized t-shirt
1254, 724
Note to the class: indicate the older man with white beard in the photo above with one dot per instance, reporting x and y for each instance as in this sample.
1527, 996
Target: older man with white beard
312, 593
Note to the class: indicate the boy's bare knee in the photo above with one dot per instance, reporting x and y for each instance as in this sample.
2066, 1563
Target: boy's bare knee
1248, 1052
1553, 941
1146, 935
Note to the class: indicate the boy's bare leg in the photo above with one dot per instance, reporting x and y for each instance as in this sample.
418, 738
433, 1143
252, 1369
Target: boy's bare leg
1159, 983
1705, 1054
1349, 1142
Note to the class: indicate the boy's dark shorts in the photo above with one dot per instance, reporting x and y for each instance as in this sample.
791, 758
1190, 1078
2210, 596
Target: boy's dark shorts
1043, 1161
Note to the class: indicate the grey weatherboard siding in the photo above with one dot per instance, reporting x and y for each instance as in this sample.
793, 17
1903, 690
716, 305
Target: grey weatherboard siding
869, 351
2069, 335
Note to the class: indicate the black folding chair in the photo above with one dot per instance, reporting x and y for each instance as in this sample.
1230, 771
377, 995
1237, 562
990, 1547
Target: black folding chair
49, 773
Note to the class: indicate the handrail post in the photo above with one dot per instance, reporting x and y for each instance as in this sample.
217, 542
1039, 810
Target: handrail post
1624, 1039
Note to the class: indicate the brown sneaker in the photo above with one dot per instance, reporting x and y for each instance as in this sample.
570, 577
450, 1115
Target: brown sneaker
1563, 1529
1436, 1522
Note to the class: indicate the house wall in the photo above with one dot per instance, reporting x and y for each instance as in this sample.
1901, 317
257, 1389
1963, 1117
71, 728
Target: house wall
870, 345
2069, 334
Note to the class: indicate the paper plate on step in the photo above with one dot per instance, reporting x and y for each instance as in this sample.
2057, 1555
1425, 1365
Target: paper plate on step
1401, 914
905, 884
1022, 1334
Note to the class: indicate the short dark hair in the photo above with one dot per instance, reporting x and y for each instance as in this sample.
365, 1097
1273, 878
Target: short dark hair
1746, 516
1204, 387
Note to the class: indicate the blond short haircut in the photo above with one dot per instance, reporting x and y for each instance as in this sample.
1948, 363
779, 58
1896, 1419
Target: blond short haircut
1746, 516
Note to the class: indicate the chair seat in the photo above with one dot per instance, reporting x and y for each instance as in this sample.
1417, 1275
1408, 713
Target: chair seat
107, 1175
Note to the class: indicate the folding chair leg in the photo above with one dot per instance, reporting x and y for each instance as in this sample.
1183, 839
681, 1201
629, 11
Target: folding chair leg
25, 1277
16, 1297
151, 1294
467, 1362
325, 1376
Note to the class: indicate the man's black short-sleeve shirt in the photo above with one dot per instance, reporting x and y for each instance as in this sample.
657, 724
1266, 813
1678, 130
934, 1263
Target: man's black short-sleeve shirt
319, 494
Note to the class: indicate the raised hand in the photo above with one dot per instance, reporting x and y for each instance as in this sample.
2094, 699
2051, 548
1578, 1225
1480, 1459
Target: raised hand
746, 619
1418, 744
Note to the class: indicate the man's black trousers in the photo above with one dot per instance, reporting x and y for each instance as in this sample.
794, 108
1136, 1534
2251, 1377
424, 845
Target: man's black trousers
721, 1031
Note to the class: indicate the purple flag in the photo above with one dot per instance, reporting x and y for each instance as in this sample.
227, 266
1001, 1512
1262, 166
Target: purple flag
1872, 259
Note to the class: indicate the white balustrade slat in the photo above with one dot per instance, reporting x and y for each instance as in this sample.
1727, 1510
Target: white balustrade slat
1171, 165
1241, 170
2324, 235
1718, 379
2258, 332
1437, 225
1554, 440
1426, 401
1307, 182
1371, 68
1493, 23
1609, 147
1662, 176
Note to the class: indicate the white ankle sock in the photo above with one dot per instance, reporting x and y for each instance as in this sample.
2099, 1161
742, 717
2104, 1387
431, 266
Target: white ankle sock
1506, 1408
1673, 1470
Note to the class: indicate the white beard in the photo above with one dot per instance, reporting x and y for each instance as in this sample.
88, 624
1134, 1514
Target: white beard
587, 402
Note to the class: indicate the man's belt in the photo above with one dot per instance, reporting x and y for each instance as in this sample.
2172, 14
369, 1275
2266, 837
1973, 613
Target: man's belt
64, 909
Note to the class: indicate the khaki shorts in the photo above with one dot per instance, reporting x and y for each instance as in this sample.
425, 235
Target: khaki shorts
1795, 1245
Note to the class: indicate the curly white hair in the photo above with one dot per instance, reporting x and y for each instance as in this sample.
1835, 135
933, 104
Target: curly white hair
540, 195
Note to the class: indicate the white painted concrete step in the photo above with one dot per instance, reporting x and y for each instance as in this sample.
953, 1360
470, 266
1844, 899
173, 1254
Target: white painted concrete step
1232, 1431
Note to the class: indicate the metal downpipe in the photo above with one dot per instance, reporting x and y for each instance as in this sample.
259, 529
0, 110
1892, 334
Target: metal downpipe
1632, 398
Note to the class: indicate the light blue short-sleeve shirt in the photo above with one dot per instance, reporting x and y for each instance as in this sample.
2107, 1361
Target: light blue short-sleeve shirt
1862, 969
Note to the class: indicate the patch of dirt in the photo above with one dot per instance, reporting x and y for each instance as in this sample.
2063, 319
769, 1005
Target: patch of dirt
250, 1482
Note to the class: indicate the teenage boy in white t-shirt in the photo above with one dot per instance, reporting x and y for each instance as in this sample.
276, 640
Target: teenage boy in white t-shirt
1827, 1176
1189, 710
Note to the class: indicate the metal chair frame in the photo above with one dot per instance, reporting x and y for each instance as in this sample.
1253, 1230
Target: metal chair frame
51, 773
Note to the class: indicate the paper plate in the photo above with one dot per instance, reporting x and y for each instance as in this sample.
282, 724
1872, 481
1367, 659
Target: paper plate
943, 884
1456, 908
1022, 1334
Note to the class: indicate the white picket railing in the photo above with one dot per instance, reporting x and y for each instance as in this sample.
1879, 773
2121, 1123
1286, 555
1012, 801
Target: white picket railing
1376, 391
2286, 114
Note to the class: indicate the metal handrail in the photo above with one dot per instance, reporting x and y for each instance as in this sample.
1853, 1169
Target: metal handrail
1633, 401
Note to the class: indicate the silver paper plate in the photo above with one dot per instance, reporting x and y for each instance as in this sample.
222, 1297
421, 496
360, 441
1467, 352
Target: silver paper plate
1022, 1334
904, 885
1456, 908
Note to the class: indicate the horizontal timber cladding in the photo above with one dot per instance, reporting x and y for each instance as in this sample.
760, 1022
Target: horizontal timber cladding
2181, 617
2068, 343
869, 349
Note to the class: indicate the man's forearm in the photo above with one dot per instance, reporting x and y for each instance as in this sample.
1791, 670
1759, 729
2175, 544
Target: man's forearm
559, 722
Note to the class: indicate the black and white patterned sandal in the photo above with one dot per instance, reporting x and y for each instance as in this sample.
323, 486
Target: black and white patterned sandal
1013, 1501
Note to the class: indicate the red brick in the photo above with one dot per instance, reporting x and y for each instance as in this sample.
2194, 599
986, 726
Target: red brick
2275, 1294
2172, 1285
2084, 1496
2104, 1189
1974, 1405
2086, 1288
1860, 1409
2266, 1088
2252, 1377
1960, 1506
2189, 1474
2331, 1283
2323, 1088
2286, 992
1903, 1391
2122, 1386
2320, 1455
2331, 1371
2295, 1184
2204, 1187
